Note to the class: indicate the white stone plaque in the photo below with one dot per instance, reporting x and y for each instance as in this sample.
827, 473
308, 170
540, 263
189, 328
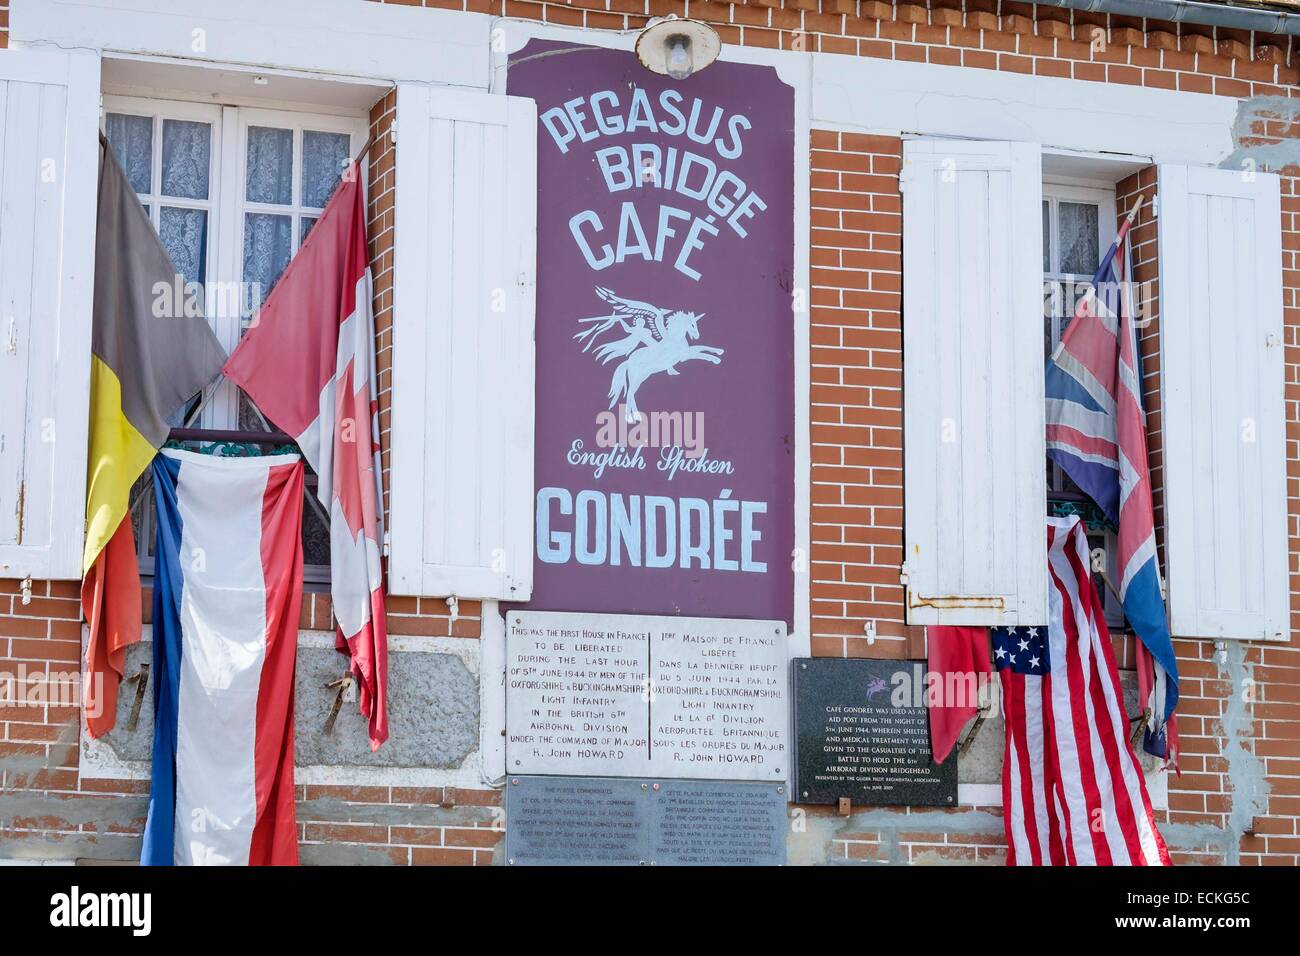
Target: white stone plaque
631, 695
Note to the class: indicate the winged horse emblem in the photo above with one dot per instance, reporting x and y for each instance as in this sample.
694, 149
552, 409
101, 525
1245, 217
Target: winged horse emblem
655, 340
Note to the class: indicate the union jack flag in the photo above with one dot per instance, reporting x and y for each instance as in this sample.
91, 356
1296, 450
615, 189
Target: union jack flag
1072, 790
1096, 432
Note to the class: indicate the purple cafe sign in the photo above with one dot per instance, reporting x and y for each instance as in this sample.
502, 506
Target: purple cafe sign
665, 336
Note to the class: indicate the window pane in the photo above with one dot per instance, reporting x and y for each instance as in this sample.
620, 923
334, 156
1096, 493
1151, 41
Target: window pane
323, 157
1047, 236
315, 535
270, 165
142, 510
306, 223
250, 419
132, 140
268, 245
1051, 296
184, 234
1078, 228
1072, 293
186, 158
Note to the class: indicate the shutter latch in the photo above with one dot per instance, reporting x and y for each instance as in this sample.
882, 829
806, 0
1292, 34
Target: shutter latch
996, 603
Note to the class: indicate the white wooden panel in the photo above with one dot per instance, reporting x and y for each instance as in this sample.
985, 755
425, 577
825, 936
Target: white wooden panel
464, 259
1224, 415
956, 101
974, 476
49, 163
341, 37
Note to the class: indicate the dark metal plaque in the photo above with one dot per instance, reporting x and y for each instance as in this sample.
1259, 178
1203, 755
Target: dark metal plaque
601, 821
851, 741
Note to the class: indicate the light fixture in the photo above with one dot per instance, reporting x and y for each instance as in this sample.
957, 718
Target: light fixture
676, 47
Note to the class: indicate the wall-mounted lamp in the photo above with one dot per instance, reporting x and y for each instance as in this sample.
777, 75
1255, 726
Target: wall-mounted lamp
677, 48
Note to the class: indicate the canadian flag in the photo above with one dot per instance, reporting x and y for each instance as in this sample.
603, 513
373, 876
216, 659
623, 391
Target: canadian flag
308, 361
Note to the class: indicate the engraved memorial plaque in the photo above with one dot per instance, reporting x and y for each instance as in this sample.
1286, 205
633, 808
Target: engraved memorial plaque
633, 695
851, 741
577, 821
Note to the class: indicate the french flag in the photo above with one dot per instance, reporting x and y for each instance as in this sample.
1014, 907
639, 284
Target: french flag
227, 592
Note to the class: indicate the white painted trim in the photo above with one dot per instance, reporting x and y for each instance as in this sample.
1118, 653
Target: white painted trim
492, 695
234, 84
100, 762
388, 41
892, 97
990, 794
1089, 168
793, 69
979, 794
10, 861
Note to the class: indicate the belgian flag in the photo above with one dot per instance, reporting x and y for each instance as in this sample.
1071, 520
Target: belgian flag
151, 352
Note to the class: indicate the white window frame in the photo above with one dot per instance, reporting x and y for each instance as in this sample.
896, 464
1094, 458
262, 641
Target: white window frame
1054, 192
226, 207
158, 111
239, 119
226, 204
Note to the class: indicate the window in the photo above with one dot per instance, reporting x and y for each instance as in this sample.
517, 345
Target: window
1079, 224
169, 160
233, 193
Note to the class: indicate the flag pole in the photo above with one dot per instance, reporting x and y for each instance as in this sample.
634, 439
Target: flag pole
1137, 208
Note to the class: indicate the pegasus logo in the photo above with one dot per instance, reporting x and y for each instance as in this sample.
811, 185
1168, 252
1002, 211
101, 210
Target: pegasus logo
655, 341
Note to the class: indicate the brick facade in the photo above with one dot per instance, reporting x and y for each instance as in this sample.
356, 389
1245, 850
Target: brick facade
1238, 799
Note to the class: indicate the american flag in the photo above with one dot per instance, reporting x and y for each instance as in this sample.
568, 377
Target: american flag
1096, 432
1072, 789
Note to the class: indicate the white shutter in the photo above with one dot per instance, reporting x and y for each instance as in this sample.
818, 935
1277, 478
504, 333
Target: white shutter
464, 260
49, 167
1222, 403
974, 455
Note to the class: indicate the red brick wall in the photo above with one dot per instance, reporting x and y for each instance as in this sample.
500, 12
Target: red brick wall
981, 34
856, 445
1145, 274
856, 414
